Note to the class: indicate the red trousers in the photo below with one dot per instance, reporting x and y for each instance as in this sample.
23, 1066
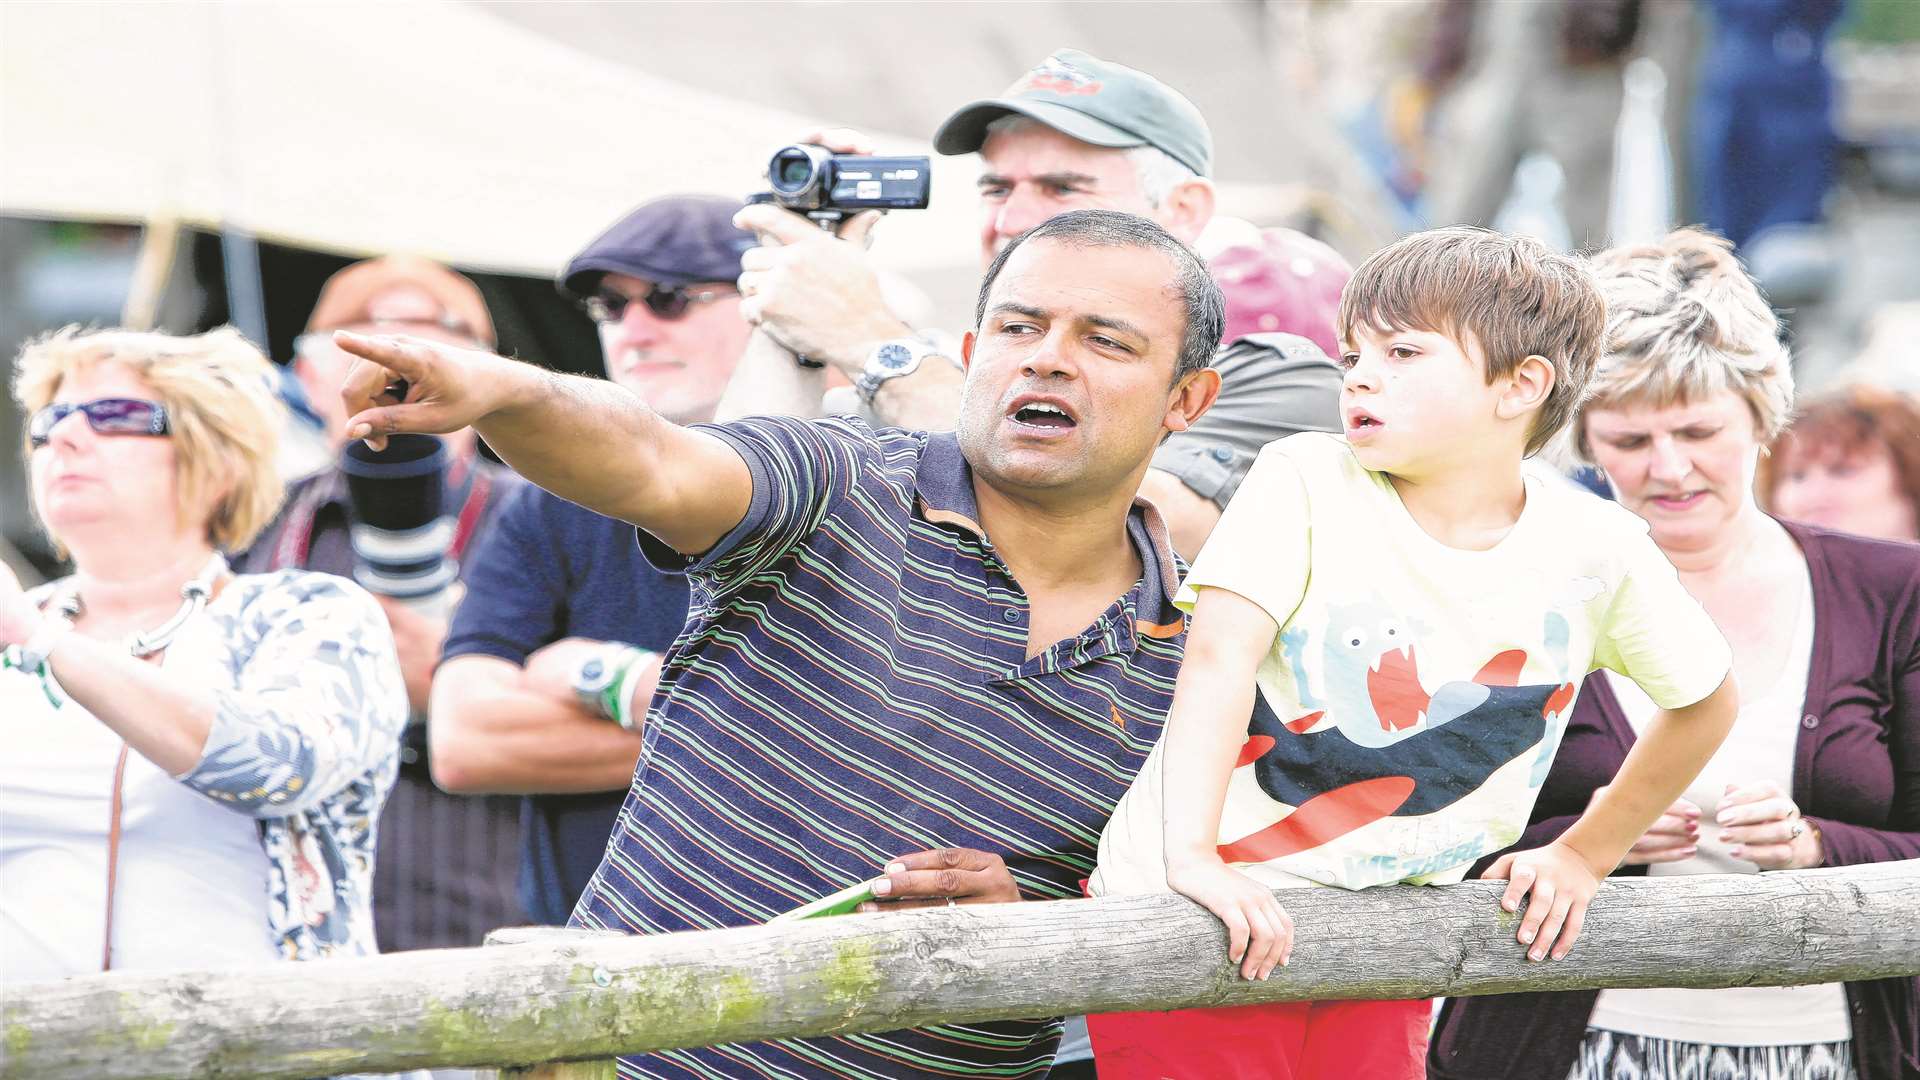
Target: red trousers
1307, 1040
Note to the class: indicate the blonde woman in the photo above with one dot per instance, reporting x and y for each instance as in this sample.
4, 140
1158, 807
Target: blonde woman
1822, 767
191, 762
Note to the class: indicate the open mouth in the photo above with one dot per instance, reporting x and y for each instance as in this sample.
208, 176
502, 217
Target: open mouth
1044, 416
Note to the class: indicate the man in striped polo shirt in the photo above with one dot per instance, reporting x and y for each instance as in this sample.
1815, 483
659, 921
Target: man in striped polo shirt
931, 660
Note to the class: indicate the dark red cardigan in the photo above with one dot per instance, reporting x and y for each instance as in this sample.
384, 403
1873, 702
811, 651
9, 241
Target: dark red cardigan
1856, 774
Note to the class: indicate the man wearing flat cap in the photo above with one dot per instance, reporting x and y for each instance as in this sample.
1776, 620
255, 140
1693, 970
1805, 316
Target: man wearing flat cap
427, 893
554, 654
1075, 132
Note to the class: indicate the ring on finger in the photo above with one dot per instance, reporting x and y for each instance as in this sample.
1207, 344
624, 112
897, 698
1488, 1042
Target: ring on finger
1794, 830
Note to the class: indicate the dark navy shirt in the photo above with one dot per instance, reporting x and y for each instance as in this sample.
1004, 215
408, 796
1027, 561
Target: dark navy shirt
548, 569
854, 685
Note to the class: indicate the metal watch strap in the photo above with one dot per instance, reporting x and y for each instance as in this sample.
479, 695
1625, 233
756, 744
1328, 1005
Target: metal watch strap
871, 378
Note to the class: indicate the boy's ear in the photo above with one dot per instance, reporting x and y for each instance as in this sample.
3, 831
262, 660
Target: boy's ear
1528, 386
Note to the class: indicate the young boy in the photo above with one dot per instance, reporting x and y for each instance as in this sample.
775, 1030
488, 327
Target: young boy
1388, 630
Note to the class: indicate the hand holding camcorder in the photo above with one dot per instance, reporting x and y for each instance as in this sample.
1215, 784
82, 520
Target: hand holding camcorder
817, 302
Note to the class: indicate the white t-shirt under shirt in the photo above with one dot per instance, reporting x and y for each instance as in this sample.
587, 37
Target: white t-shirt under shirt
1415, 695
1760, 747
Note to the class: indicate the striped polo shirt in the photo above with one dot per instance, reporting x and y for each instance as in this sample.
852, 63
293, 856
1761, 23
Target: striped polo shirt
853, 685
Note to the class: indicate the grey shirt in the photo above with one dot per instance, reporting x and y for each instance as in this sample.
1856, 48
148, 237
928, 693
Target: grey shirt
1272, 386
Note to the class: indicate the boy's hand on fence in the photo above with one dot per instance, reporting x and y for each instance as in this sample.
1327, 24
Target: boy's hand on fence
1558, 883
1259, 931
943, 877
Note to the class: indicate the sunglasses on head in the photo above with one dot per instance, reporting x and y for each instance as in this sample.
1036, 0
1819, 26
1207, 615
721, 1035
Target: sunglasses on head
106, 416
607, 306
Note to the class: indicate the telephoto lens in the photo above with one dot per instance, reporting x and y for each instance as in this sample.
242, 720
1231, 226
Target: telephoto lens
400, 530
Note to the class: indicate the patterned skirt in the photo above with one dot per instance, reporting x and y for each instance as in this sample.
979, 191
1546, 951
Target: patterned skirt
1613, 1055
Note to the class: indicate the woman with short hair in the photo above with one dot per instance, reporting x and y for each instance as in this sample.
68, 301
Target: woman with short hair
191, 762
1850, 462
1822, 767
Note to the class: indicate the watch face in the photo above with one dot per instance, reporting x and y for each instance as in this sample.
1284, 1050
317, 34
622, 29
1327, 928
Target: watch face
594, 676
893, 357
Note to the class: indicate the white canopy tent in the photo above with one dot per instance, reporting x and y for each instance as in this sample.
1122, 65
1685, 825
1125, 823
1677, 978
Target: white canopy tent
414, 125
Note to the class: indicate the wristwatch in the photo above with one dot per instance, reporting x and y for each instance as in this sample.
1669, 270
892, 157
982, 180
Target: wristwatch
890, 360
598, 676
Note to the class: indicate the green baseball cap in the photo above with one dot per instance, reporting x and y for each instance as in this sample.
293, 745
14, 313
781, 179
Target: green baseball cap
1093, 100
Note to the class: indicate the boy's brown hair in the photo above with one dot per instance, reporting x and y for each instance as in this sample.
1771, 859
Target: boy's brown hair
1509, 295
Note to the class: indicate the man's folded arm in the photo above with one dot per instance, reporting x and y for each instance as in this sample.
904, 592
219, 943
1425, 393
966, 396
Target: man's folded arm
492, 734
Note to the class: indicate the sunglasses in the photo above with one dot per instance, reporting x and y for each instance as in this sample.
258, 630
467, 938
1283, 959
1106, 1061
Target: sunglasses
106, 416
607, 306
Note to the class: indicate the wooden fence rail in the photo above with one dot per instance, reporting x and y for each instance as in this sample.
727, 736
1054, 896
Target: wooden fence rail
589, 997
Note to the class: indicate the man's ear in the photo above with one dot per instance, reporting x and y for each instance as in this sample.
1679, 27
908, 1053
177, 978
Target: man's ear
966, 350
1187, 209
1528, 386
1192, 396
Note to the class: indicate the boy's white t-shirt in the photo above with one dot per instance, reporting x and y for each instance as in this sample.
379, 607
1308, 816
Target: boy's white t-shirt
1415, 695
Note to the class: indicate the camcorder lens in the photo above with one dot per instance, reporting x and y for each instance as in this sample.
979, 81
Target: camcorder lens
794, 171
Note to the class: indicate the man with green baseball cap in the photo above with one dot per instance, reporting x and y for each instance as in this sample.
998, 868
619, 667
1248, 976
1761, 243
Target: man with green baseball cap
1076, 132
1095, 101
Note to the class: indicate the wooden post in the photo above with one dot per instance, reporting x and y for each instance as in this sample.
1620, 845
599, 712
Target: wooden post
548, 999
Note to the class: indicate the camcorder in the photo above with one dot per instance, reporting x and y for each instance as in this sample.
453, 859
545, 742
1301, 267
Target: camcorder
830, 187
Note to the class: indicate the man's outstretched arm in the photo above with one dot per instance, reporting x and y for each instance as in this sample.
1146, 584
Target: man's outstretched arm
588, 441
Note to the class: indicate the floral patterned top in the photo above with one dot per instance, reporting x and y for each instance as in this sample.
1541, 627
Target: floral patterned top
309, 706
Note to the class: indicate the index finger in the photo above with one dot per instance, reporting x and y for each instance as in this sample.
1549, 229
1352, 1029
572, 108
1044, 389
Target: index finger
1519, 880
933, 884
377, 363
406, 357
